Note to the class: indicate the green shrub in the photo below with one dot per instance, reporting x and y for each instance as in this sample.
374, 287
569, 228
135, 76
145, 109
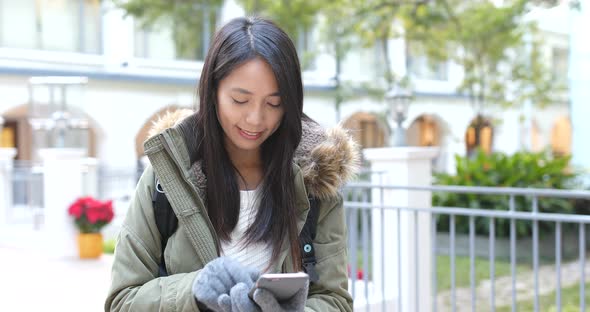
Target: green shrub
522, 169
108, 246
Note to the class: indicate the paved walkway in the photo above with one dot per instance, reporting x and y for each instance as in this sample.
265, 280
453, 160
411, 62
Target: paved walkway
32, 281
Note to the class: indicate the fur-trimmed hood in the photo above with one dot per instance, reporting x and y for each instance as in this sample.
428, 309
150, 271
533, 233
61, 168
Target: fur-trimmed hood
327, 158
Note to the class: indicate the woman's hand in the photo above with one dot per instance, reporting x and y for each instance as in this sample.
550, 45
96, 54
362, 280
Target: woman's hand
214, 285
238, 300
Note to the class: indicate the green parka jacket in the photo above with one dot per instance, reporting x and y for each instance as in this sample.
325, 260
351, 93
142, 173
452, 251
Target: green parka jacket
323, 161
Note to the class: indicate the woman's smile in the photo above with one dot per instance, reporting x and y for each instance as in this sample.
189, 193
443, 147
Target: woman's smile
249, 135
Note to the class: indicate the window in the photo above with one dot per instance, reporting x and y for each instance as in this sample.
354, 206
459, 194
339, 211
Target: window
421, 67
366, 130
64, 25
428, 133
561, 137
17, 15
188, 40
560, 65
8, 135
154, 44
369, 135
479, 135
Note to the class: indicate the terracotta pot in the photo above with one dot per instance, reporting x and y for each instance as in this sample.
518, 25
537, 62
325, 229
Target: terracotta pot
89, 245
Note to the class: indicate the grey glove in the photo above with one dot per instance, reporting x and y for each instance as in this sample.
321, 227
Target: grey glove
218, 278
268, 303
238, 300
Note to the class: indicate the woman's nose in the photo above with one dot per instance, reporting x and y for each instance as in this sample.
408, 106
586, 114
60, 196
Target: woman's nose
255, 116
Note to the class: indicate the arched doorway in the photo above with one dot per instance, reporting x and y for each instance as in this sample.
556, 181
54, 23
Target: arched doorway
479, 134
561, 137
17, 132
426, 130
430, 130
366, 129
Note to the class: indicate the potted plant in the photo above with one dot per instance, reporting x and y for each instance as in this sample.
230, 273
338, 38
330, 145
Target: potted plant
90, 216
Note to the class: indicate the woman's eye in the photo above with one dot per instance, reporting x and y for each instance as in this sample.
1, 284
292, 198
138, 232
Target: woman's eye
239, 102
274, 105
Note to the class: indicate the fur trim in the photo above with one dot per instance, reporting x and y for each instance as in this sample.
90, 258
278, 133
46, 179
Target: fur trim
328, 158
168, 120
331, 163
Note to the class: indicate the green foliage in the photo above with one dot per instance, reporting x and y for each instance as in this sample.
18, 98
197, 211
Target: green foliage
108, 246
184, 18
294, 16
489, 41
493, 44
523, 169
297, 18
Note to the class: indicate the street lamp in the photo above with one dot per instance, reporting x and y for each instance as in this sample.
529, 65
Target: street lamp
52, 119
398, 99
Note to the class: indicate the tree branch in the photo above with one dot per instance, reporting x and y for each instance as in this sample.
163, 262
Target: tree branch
394, 4
452, 16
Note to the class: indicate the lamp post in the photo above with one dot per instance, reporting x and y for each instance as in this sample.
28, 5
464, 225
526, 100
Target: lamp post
50, 113
398, 99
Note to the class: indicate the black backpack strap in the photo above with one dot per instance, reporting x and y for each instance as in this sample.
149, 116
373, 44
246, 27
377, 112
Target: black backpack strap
166, 221
306, 240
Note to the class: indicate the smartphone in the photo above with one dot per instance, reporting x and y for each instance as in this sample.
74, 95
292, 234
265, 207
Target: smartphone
282, 285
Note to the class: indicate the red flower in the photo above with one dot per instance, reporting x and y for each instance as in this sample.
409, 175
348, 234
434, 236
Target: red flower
91, 214
109, 213
75, 209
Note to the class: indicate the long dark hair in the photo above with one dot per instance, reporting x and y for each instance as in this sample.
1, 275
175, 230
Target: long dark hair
238, 41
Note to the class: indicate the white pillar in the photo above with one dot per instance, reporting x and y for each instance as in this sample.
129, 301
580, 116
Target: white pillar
62, 182
579, 67
402, 166
6, 165
90, 172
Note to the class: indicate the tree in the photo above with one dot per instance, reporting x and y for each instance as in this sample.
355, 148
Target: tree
300, 17
337, 35
358, 23
378, 21
295, 17
501, 65
191, 21
498, 49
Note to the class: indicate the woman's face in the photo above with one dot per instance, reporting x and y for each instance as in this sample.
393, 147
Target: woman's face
249, 106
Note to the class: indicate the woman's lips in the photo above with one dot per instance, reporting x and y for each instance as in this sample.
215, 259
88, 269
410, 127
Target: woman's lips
249, 135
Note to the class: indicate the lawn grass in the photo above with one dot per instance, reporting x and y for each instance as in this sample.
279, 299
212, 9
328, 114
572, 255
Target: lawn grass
462, 271
570, 301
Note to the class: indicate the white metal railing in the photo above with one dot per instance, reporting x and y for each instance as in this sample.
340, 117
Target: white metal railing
359, 204
27, 192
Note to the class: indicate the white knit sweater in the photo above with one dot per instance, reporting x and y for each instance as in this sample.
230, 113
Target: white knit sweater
254, 255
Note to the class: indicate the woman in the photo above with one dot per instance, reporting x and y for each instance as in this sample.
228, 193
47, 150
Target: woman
238, 174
